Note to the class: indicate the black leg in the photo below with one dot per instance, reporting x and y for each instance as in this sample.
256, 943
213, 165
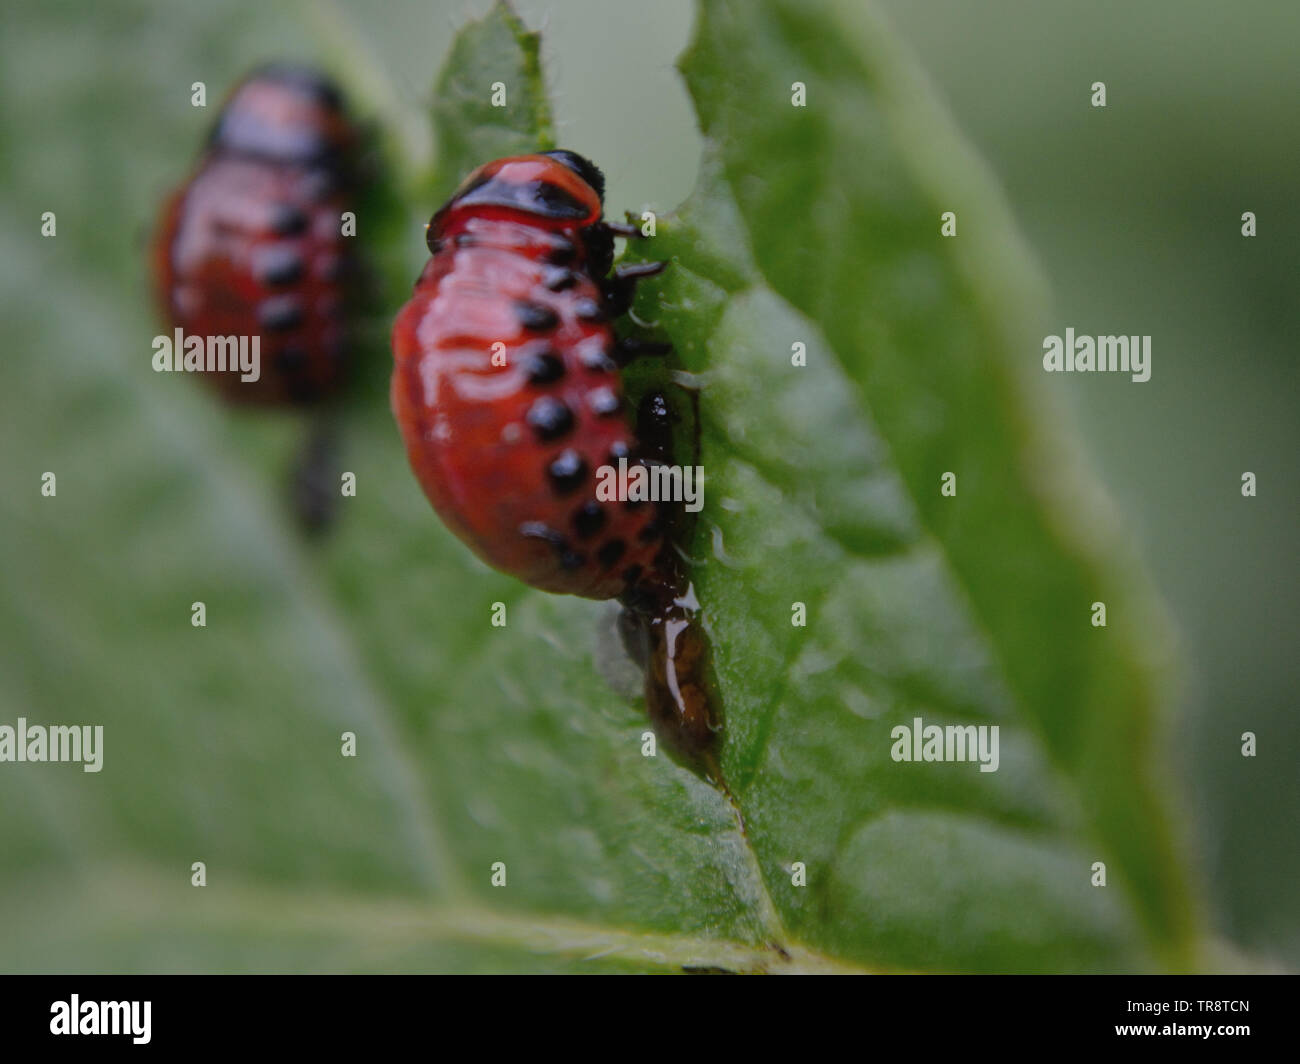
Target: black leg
634, 271
629, 348
314, 477
620, 286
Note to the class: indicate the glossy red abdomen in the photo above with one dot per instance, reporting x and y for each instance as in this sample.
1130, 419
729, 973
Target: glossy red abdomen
252, 244
505, 384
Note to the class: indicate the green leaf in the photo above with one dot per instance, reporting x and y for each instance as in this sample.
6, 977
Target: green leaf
494, 55
478, 745
222, 744
820, 225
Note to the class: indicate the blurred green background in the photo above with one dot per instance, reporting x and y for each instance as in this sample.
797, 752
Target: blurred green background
1133, 211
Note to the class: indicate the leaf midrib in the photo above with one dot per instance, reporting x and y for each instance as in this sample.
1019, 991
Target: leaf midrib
144, 897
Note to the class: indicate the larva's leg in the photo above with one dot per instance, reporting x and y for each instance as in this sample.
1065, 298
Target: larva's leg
629, 348
626, 229
620, 286
314, 477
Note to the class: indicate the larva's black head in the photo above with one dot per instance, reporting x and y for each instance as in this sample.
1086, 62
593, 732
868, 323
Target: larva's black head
284, 112
583, 167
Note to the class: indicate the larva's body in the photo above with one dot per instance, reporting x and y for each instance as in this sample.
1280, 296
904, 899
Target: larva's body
506, 386
252, 244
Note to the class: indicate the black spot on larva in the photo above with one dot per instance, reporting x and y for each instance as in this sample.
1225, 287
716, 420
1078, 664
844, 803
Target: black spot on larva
561, 251
318, 185
278, 264
280, 313
588, 519
549, 418
652, 531
603, 402
588, 309
567, 471
572, 559
543, 367
632, 574
610, 553
558, 278
535, 317
291, 360
633, 504
288, 220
